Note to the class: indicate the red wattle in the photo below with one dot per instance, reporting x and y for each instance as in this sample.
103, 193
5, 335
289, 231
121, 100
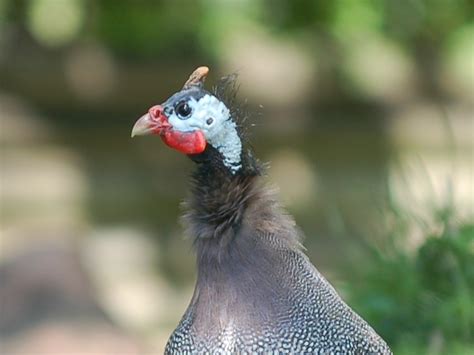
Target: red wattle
185, 142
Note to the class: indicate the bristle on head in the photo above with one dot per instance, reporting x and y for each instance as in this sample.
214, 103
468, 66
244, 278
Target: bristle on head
226, 90
197, 78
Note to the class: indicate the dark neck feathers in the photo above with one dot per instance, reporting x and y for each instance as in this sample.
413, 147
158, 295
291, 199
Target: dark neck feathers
228, 211
220, 196
242, 239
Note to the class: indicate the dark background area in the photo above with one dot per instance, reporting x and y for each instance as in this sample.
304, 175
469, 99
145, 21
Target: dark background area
363, 108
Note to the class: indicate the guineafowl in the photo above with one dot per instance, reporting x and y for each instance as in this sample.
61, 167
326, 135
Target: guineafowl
256, 291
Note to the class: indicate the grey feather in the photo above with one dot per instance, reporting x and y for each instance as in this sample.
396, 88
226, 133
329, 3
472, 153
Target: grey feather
256, 290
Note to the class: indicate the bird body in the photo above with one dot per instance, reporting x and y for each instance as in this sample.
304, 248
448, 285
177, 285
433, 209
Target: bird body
256, 291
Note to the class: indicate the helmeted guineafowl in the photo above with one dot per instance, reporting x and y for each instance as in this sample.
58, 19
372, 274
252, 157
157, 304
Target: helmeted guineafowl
256, 291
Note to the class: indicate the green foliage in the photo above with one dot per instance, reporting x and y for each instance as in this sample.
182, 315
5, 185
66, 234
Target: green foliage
445, 265
417, 298
165, 28
149, 29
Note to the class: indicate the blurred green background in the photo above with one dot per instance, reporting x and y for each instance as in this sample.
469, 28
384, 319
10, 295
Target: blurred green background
364, 109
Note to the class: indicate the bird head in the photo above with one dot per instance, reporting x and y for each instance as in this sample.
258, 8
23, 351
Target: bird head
192, 119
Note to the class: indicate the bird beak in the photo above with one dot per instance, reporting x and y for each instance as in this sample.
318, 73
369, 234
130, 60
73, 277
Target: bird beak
156, 122
153, 122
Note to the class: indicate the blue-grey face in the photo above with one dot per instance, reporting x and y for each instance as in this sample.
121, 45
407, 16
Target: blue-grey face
196, 110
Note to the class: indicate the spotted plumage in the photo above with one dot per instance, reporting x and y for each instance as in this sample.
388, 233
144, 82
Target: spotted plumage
256, 291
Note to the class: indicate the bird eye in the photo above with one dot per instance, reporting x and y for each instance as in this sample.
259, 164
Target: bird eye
183, 109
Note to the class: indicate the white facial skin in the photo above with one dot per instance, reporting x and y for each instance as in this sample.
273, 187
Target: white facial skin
212, 117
